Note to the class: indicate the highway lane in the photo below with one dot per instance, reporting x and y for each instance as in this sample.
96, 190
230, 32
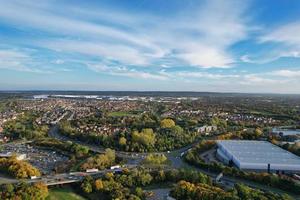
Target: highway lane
63, 178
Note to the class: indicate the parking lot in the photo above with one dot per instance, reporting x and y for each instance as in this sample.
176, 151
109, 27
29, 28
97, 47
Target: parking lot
44, 160
210, 156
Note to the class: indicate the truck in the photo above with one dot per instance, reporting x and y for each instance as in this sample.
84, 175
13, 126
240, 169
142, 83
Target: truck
115, 167
34, 177
91, 170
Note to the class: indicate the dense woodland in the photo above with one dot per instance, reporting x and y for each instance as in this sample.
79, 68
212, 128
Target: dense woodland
25, 127
164, 135
189, 191
24, 191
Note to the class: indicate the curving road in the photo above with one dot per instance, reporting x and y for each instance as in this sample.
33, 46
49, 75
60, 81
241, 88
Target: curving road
175, 157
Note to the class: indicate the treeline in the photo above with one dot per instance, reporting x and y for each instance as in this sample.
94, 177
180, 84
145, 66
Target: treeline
191, 191
191, 185
167, 136
193, 157
248, 134
25, 127
294, 148
17, 168
128, 184
187, 190
24, 191
110, 187
100, 161
77, 150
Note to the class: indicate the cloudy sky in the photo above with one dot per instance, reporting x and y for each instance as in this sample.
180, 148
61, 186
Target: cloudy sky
169, 45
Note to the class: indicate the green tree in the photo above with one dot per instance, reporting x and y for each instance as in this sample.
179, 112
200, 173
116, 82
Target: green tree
86, 185
155, 159
111, 155
167, 123
139, 192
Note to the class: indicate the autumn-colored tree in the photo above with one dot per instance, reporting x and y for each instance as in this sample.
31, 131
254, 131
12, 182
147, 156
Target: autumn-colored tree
98, 184
146, 137
100, 161
122, 141
18, 168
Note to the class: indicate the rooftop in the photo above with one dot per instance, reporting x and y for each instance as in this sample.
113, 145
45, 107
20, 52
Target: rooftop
257, 152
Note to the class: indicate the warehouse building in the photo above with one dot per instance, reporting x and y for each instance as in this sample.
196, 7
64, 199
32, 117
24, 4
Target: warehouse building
257, 156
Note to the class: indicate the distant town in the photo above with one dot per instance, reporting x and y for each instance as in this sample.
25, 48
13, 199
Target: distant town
126, 146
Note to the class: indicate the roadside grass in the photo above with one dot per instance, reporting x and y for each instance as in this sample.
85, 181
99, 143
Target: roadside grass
63, 194
77, 165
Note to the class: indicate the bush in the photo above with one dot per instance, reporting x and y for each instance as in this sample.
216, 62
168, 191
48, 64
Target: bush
17, 168
155, 159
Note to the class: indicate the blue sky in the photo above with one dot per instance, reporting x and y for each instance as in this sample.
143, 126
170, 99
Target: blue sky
174, 45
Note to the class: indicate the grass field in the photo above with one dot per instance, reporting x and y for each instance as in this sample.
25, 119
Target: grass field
120, 114
63, 194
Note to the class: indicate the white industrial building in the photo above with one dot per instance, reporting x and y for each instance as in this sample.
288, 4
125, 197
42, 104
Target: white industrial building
9, 154
257, 156
206, 129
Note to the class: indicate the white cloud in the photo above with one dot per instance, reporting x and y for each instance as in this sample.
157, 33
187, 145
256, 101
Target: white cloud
14, 60
59, 61
207, 57
124, 71
252, 79
200, 37
219, 24
288, 34
271, 55
287, 73
121, 53
205, 75
21, 60
285, 42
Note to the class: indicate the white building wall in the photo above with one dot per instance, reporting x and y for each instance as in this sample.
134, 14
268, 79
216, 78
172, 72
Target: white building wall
226, 155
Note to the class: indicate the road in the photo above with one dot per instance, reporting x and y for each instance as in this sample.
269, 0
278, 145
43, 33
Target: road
134, 158
64, 178
129, 156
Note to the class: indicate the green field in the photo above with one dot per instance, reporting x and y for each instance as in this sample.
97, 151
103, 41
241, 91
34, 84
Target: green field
120, 114
63, 194
2, 106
